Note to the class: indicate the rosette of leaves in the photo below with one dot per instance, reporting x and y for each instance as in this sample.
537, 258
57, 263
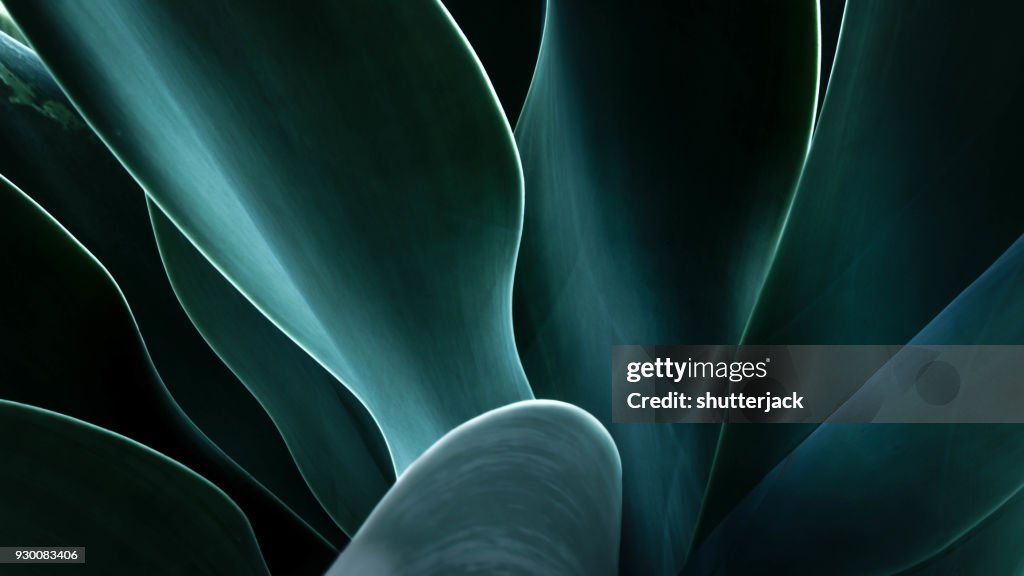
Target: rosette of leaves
332, 287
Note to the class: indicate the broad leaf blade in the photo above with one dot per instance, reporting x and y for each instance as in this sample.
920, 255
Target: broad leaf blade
908, 194
347, 167
531, 488
49, 152
335, 443
660, 148
69, 344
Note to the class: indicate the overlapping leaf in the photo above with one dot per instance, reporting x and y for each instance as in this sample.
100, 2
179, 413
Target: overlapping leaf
70, 344
346, 167
531, 488
659, 149
906, 196
332, 439
48, 151
945, 498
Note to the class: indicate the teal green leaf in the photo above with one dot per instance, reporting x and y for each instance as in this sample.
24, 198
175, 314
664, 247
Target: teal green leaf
659, 155
69, 343
532, 488
50, 154
906, 196
884, 481
333, 440
347, 168
67, 483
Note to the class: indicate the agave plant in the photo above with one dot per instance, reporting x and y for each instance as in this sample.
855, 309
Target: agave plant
333, 287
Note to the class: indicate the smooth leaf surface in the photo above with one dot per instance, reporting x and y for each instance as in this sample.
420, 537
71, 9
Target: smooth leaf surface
69, 483
660, 148
68, 343
48, 152
533, 488
346, 167
334, 442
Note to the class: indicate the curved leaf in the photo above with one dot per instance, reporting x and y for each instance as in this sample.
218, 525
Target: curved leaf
333, 440
345, 166
67, 483
660, 147
909, 176
68, 343
530, 488
48, 151
907, 195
